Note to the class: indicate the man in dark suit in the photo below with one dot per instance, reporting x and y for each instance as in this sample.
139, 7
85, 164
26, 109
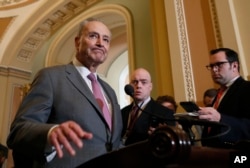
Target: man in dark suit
149, 114
60, 123
230, 107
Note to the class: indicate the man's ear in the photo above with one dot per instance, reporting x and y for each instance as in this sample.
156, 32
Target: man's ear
77, 42
235, 65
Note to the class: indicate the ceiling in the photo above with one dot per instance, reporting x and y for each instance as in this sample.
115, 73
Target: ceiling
39, 33
27, 26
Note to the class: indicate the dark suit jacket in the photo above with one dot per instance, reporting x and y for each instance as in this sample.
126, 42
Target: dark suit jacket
235, 112
153, 112
59, 94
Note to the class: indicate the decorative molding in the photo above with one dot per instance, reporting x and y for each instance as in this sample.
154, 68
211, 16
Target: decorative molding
185, 54
215, 22
11, 4
14, 72
51, 24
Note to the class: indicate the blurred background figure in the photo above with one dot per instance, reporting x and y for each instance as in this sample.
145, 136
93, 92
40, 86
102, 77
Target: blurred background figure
167, 101
3, 154
209, 96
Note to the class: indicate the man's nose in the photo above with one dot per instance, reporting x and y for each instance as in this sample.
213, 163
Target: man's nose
99, 42
139, 84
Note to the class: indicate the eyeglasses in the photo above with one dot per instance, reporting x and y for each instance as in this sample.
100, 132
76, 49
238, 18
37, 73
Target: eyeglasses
217, 65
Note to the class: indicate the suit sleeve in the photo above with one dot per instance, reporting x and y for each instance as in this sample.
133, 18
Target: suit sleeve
28, 133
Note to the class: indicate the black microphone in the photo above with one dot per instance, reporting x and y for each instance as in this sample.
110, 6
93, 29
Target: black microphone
129, 90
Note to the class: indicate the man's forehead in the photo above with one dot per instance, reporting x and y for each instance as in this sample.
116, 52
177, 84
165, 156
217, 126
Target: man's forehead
97, 27
139, 79
220, 54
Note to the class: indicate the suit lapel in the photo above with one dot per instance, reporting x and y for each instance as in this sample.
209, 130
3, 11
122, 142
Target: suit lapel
76, 79
126, 114
78, 82
230, 91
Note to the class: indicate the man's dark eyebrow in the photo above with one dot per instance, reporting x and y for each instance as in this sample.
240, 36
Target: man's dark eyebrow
92, 32
106, 36
96, 33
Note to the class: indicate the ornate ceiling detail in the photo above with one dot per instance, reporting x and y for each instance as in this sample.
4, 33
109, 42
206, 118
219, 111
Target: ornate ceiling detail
51, 24
10, 4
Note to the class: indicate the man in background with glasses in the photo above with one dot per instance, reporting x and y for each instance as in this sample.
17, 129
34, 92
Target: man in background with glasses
231, 106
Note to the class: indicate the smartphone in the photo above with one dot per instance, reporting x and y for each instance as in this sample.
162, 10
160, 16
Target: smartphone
190, 106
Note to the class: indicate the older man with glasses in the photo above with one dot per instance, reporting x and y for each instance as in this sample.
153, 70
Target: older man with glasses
231, 106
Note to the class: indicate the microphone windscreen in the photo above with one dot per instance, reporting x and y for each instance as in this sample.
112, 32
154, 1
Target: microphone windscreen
129, 90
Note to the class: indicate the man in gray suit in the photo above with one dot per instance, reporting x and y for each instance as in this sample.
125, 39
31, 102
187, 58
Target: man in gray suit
60, 123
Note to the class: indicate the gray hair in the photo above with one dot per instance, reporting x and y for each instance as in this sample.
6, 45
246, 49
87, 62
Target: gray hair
83, 23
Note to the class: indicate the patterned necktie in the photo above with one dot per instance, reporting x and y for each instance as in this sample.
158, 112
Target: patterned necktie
133, 116
100, 99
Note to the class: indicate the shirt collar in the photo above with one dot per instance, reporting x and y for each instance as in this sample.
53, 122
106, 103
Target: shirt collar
81, 68
231, 81
143, 104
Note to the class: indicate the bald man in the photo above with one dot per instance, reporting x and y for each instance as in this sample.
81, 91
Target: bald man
150, 113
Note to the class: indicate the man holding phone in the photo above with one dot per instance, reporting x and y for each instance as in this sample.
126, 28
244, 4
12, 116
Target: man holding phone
231, 105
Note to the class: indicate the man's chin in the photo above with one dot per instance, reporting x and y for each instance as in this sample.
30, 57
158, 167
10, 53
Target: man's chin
138, 98
100, 59
217, 80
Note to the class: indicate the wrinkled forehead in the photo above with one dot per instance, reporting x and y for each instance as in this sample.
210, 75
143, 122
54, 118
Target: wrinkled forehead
97, 27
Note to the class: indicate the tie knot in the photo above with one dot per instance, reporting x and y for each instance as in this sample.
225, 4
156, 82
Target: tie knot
91, 77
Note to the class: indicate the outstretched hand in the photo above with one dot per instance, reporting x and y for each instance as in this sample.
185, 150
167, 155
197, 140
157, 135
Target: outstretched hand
65, 133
